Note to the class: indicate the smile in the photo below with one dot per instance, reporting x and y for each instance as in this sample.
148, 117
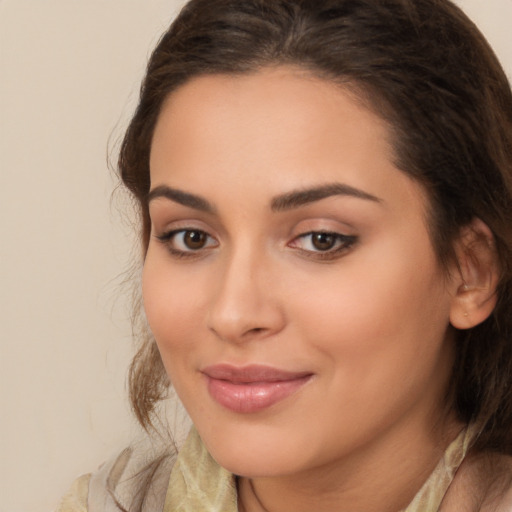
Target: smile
251, 388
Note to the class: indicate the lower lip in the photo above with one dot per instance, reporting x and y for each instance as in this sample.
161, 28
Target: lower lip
254, 396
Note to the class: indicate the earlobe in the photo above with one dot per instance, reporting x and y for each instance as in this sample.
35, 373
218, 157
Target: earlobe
478, 275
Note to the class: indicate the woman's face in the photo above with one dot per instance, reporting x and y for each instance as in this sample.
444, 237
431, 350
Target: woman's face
290, 281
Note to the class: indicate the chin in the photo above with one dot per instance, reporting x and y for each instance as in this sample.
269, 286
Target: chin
255, 463
254, 452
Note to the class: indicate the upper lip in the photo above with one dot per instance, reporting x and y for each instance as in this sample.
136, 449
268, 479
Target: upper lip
251, 373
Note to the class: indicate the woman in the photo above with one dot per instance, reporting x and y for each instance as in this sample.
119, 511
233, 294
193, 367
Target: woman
325, 190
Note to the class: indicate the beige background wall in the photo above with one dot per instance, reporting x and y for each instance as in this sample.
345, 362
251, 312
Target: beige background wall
69, 73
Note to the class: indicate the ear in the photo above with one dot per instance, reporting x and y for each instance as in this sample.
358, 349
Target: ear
478, 276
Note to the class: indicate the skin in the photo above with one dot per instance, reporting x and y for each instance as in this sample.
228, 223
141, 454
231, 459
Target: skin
369, 319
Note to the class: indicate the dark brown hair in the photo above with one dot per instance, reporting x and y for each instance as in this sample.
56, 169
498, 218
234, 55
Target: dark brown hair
425, 68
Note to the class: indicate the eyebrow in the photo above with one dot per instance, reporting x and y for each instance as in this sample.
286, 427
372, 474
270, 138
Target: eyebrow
284, 202
298, 198
184, 198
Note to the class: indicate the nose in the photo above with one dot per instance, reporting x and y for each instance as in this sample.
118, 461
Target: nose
245, 304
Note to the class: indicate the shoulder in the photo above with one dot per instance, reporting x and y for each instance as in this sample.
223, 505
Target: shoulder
483, 483
135, 479
76, 498
499, 488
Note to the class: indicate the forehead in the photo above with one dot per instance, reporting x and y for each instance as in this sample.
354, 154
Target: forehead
289, 94
275, 112
265, 133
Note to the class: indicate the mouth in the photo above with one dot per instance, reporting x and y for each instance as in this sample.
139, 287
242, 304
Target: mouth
251, 388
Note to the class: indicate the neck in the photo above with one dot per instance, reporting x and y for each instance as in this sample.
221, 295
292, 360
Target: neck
381, 477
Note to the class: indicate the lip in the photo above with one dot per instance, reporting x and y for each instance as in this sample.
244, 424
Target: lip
252, 388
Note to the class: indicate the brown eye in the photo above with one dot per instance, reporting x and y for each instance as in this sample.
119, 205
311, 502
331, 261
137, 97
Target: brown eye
182, 242
195, 240
323, 241
324, 245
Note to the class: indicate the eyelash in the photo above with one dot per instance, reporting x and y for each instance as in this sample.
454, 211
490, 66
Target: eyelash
168, 239
341, 244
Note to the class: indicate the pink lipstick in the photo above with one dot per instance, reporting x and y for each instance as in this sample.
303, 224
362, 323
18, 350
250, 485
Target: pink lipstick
251, 388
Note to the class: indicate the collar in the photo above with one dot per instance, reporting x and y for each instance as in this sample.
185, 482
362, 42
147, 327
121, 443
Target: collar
197, 482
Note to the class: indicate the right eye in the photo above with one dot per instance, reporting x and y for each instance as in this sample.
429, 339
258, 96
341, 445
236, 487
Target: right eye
183, 242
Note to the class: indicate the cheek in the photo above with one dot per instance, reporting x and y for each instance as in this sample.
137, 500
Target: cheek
382, 309
168, 304
382, 335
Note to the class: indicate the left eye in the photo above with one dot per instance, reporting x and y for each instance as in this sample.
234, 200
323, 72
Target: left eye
322, 241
